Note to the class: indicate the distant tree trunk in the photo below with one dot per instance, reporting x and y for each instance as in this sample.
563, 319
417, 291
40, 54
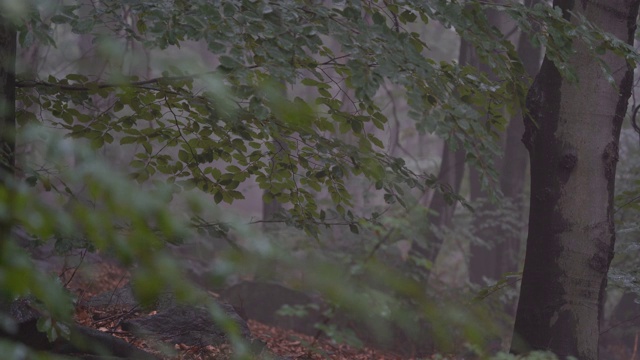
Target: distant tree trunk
451, 173
485, 260
7, 98
7, 131
501, 257
7, 114
270, 209
622, 327
440, 211
572, 132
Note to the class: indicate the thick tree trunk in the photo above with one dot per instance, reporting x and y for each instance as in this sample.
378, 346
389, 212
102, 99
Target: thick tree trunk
572, 132
502, 256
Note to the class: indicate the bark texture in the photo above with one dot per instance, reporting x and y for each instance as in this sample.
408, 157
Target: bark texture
572, 132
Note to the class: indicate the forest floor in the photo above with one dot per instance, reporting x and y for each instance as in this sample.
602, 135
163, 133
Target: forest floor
284, 344
281, 344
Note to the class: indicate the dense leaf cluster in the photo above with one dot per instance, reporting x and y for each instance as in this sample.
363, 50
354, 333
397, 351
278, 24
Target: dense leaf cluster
294, 102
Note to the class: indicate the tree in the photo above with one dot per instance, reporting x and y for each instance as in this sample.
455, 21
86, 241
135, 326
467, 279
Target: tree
7, 96
252, 75
572, 131
501, 254
212, 128
7, 110
442, 205
486, 259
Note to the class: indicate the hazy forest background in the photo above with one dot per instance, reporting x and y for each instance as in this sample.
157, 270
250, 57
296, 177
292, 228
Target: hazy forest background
356, 171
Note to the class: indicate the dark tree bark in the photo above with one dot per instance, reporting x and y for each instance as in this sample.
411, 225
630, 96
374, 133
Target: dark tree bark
502, 256
7, 98
572, 132
271, 209
7, 115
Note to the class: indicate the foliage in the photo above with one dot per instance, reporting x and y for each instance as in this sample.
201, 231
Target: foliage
186, 123
239, 114
130, 223
294, 103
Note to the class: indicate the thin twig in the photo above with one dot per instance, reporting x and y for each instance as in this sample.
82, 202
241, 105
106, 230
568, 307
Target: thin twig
620, 323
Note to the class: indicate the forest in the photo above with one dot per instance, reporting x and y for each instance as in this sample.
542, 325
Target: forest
319, 179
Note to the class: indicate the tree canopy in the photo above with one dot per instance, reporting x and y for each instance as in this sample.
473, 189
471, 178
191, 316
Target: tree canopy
293, 98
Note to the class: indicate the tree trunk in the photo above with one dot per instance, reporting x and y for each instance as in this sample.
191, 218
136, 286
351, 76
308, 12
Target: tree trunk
7, 130
620, 332
7, 98
441, 212
271, 209
485, 259
7, 117
501, 257
572, 132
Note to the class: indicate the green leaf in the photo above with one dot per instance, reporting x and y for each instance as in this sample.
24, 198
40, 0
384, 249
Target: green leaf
183, 156
408, 16
218, 196
147, 147
82, 26
128, 140
60, 19
378, 19
229, 62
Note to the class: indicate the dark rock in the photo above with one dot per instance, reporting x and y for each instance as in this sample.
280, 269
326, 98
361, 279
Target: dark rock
261, 302
83, 341
183, 324
121, 297
90, 341
173, 323
124, 298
